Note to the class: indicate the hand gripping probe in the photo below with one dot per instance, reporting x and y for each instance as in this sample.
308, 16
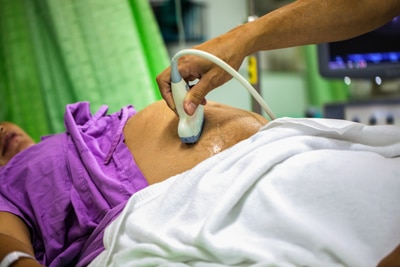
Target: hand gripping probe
190, 127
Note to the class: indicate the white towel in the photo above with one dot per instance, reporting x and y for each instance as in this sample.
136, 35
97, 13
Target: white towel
300, 192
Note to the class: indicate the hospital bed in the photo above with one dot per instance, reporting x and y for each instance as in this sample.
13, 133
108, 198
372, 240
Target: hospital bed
300, 192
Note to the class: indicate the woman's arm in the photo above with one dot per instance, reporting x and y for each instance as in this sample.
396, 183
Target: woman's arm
15, 236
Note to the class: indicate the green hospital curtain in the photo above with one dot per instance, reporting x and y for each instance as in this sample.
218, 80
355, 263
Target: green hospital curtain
55, 52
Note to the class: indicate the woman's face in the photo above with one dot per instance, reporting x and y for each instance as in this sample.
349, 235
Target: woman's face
12, 141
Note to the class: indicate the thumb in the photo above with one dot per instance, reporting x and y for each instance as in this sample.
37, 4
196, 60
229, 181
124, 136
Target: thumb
194, 97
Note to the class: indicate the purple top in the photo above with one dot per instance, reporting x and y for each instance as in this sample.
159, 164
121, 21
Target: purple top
70, 186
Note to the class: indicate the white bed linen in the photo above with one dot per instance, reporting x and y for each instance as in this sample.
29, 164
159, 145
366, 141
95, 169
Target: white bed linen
301, 192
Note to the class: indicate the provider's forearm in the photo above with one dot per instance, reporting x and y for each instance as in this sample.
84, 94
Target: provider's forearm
314, 21
10, 244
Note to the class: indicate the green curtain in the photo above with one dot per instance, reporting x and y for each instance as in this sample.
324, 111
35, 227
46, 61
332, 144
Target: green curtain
55, 52
320, 90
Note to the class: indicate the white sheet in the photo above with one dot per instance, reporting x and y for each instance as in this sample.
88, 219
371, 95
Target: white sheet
301, 192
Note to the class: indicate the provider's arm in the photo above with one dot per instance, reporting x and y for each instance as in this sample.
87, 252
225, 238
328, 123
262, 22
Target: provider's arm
299, 23
15, 236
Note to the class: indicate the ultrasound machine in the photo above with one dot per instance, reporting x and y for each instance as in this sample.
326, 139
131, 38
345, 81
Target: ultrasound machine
373, 58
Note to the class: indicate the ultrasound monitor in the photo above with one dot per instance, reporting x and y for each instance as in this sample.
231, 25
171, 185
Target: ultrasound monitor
374, 54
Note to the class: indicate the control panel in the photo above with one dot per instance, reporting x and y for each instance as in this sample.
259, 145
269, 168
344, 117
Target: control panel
370, 112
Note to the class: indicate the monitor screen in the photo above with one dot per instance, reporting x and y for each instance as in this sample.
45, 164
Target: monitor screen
374, 54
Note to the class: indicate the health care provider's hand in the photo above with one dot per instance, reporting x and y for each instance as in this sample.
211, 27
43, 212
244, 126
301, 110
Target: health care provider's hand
210, 76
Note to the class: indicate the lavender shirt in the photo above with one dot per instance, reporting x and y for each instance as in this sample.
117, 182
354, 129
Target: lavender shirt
70, 186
